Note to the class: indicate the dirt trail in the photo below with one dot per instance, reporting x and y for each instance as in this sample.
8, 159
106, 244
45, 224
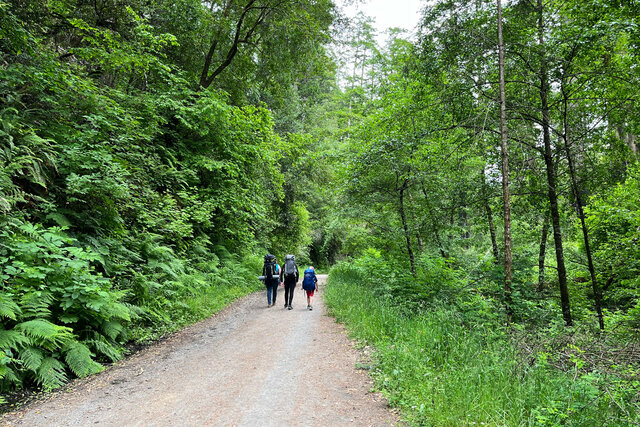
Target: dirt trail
247, 366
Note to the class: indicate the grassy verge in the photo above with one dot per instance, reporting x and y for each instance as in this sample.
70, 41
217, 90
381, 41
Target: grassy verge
441, 372
193, 297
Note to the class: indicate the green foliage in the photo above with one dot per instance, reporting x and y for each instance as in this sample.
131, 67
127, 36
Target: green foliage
53, 303
441, 369
614, 219
131, 198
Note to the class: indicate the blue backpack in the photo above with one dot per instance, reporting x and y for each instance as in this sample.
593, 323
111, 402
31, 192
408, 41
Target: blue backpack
309, 281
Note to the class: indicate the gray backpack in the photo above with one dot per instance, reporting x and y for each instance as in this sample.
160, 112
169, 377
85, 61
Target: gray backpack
290, 267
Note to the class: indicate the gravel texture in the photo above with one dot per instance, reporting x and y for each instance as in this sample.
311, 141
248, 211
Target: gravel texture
247, 366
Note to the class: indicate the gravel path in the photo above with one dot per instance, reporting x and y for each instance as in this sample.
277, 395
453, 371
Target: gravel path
247, 366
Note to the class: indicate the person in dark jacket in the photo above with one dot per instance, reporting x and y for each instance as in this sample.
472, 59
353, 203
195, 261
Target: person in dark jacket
271, 269
289, 275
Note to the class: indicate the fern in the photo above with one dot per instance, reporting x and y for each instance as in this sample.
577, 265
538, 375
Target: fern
223, 253
51, 374
8, 376
112, 329
36, 305
44, 333
31, 357
79, 359
101, 346
11, 339
118, 311
8, 308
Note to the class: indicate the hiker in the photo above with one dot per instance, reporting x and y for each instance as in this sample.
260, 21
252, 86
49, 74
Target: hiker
290, 275
271, 273
310, 285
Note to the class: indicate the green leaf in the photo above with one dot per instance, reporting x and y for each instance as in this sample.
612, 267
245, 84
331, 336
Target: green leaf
79, 359
11, 339
31, 357
45, 333
8, 308
51, 374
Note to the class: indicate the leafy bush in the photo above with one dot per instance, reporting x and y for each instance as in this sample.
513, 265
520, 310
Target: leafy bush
441, 370
614, 221
58, 315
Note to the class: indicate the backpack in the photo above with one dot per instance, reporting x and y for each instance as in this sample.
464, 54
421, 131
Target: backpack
270, 267
309, 282
290, 266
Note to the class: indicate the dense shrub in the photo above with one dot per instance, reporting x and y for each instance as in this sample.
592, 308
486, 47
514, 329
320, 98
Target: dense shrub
456, 364
58, 314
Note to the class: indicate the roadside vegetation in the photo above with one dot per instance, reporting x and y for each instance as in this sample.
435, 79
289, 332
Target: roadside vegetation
478, 212
140, 183
447, 358
488, 233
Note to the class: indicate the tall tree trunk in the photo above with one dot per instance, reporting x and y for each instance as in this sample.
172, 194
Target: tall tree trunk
434, 222
405, 226
551, 177
542, 254
415, 221
487, 209
504, 148
576, 192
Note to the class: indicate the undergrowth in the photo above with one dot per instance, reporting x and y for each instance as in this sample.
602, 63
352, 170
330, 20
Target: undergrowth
61, 318
441, 368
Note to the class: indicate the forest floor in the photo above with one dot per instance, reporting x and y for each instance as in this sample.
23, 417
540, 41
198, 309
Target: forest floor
249, 365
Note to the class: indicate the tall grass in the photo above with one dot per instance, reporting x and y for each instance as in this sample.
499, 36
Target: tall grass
441, 372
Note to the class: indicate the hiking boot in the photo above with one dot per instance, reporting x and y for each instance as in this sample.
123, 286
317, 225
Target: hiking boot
290, 308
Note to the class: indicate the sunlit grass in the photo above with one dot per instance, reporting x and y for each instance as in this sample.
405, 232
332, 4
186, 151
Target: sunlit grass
441, 372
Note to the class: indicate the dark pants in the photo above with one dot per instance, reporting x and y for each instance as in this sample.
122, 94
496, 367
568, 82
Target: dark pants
288, 292
272, 288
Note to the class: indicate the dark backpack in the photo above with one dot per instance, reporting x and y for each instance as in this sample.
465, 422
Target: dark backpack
309, 281
270, 267
290, 267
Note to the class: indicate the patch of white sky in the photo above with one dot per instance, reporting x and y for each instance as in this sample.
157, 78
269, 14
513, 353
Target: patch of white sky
387, 14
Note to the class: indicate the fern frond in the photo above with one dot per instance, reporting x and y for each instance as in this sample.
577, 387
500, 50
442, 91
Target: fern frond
118, 311
8, 376
51, 374
11, 339
135, 312
45, 333
78, 358
31, 357
104, 348
36, 305
8, 308
112, 329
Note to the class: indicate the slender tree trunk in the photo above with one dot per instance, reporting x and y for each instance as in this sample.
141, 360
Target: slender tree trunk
487, 209
405, 227
434, 222
551, 177
504, 148
543, 252
420, 242
415, 221
585, 232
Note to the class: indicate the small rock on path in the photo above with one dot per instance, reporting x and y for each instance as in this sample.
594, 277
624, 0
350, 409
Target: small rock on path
247, 366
